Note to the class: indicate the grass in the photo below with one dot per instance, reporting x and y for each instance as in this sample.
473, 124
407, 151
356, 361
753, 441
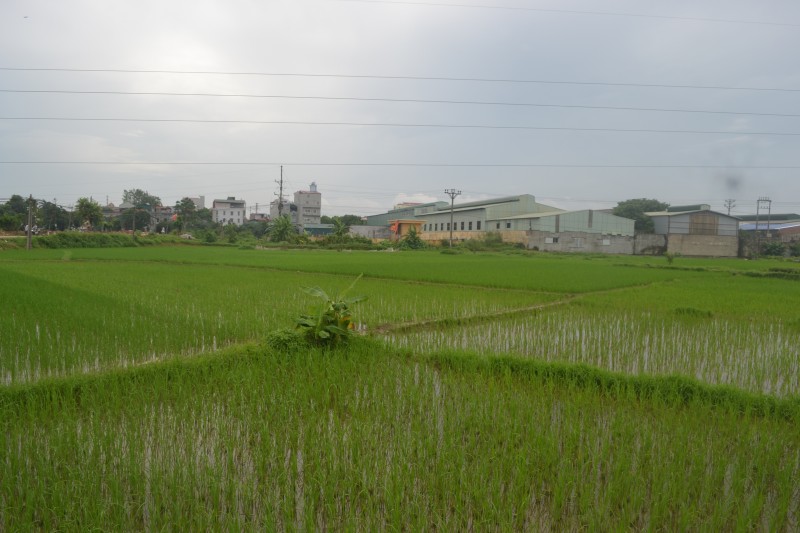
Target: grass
368, 440
137, 394
65, 317
755, 356
538, 272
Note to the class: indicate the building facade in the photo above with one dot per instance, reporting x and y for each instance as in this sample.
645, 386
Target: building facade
306, 209
229, 211
518, 219
309, 205
699, 232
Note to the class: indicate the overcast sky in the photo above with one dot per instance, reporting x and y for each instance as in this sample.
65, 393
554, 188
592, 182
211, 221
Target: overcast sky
420, 93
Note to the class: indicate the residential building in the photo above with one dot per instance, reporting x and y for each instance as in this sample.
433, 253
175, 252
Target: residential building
305, 210
229, 211
309, 205
198, 201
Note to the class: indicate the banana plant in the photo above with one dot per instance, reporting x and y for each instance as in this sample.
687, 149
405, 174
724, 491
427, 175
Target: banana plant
333, 323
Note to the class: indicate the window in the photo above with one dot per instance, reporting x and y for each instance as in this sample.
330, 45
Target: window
508, 225
470, 226
436, 227
448, 226
478, 225
462, 225
498, 225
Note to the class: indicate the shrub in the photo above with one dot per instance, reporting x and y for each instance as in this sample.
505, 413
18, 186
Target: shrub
412, 241
286, 340
332, 324
774, 248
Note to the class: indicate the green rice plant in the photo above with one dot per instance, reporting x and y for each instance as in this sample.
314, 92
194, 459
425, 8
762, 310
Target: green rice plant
752, 355
367, 439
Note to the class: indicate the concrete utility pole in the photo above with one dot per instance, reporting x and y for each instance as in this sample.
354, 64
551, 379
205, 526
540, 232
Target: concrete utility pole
280, 194
729, 203
30, 222
452, 193
762, 200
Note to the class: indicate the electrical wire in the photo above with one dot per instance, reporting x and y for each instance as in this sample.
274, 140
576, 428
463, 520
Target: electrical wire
430, 165
399, 77
400, 100
572, 12
395, 125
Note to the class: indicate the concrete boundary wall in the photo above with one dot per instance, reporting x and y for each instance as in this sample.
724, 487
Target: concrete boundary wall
703, 245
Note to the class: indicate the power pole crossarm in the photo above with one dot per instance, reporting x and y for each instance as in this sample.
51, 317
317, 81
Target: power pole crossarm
730, 203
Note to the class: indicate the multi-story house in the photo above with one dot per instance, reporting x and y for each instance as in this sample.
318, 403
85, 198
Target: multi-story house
230, 211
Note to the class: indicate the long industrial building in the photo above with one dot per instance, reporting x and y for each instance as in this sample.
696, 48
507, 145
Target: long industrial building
520, 219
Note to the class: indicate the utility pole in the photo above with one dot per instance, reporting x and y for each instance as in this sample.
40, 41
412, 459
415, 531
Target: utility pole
729, 203
280, 194
762, 200
452, 193
30, 222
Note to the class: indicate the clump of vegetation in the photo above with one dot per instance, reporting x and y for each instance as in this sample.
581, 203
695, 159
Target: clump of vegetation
491, 241
333, 323
773, 249
671, 257
285, 340
692, 312
412, 241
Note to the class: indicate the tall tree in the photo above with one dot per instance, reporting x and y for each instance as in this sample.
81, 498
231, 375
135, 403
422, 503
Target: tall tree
52, 216
140, 198
17, 205
186, 211
88, 211
13, 213
350, 220
636, 208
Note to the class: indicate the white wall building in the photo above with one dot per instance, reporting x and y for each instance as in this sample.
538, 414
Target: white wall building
198, 201
306, 208
229, 211
309, 205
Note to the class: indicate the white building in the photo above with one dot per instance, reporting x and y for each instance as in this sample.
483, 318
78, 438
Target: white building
198, 201
306, 208
309, 205
230, 211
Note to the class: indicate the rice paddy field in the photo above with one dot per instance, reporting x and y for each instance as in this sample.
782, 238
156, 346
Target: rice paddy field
484, 392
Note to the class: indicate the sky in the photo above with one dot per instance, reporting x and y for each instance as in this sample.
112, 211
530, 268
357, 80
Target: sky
580, 103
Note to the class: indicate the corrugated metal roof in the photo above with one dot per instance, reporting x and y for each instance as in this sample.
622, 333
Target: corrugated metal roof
678, 213
538, 215
762, 225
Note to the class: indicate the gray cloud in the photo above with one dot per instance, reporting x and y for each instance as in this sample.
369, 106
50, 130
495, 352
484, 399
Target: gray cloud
328, 37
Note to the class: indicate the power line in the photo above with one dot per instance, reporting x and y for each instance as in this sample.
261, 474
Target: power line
400, 100
573, 12
394, 125
431, 165
398, 77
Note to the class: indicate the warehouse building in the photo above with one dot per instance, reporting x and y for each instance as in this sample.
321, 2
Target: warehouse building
520, 219
695, 231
